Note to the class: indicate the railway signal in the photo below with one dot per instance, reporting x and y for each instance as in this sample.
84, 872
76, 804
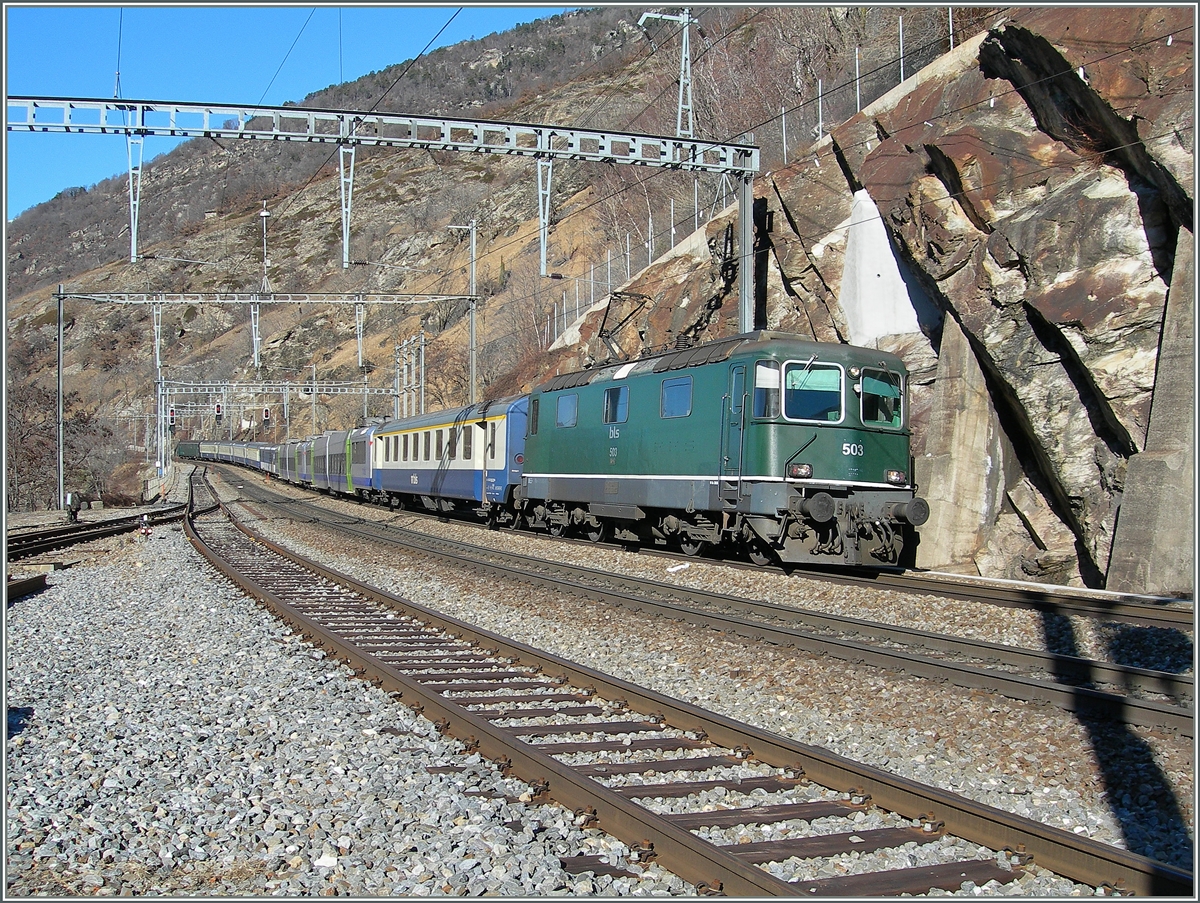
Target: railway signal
266, 415
171, 416
218, 411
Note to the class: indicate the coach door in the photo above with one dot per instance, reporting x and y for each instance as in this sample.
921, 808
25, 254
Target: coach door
731, 434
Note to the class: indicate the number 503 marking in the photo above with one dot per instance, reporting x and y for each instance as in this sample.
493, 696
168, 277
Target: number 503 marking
852, 449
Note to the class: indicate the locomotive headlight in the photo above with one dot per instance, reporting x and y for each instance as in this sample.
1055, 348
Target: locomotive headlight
799, 471
854, 372
897, 477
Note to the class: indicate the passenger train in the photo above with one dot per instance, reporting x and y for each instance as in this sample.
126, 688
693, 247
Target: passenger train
765, 443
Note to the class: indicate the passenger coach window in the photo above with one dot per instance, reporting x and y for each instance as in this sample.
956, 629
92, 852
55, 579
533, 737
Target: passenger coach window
453, 443
468, 432
567, 412
676, 397
882, 393
616, 404
492, 442
427, 445
387, 447
812, 392
439, 445
766, 389
406, 446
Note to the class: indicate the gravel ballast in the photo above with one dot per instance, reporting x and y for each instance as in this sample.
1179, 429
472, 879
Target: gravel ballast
167, 751
172, 736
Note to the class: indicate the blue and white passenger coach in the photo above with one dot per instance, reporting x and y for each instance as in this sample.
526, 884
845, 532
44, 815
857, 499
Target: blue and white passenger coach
453, 458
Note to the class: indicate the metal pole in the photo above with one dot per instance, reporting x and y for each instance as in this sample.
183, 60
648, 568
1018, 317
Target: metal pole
422, 370
783, 119
902, 48
61, 497
857, 91
650, 239
950, 9
314, 398
474, 300
396, 397
820, 109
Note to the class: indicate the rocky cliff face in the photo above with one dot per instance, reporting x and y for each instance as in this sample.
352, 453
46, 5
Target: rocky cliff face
1034, 189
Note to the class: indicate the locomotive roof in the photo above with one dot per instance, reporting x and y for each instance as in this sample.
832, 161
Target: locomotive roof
713, 352
448, 415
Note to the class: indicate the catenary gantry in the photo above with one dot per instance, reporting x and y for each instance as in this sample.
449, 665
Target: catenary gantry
136, 119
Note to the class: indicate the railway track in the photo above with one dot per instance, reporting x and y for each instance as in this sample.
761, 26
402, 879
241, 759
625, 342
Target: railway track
641, 765
1142, 611
1130, 695
27, 543
1127, 608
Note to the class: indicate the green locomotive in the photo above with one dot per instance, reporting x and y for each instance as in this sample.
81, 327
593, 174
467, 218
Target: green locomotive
790, 449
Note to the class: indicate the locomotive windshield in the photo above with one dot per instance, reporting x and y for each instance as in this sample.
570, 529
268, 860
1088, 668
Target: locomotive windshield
882, 394
812, 392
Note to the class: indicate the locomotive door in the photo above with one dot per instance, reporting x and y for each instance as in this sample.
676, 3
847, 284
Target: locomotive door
734, 415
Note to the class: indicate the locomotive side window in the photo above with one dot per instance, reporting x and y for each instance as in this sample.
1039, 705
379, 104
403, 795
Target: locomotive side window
616, 404
812, 392
534, 405
676, 397
766, 389
882, 393
567, 411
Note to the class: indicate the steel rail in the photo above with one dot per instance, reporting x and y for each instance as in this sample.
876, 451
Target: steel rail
656, 598
36, 542
676, 848
1079, 858
1128, 608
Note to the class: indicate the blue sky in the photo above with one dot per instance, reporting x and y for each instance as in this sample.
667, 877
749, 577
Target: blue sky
214, 54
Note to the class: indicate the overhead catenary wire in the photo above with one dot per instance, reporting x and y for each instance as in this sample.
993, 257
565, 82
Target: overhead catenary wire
944, 114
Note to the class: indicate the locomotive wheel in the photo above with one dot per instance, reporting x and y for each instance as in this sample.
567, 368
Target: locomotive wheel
598, 532
517, 522
692, 547
556, 529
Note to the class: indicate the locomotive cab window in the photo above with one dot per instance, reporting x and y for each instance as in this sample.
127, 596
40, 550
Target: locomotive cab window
812, 392
882, 394
567, 411
676, 397
616, 404
766, 389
